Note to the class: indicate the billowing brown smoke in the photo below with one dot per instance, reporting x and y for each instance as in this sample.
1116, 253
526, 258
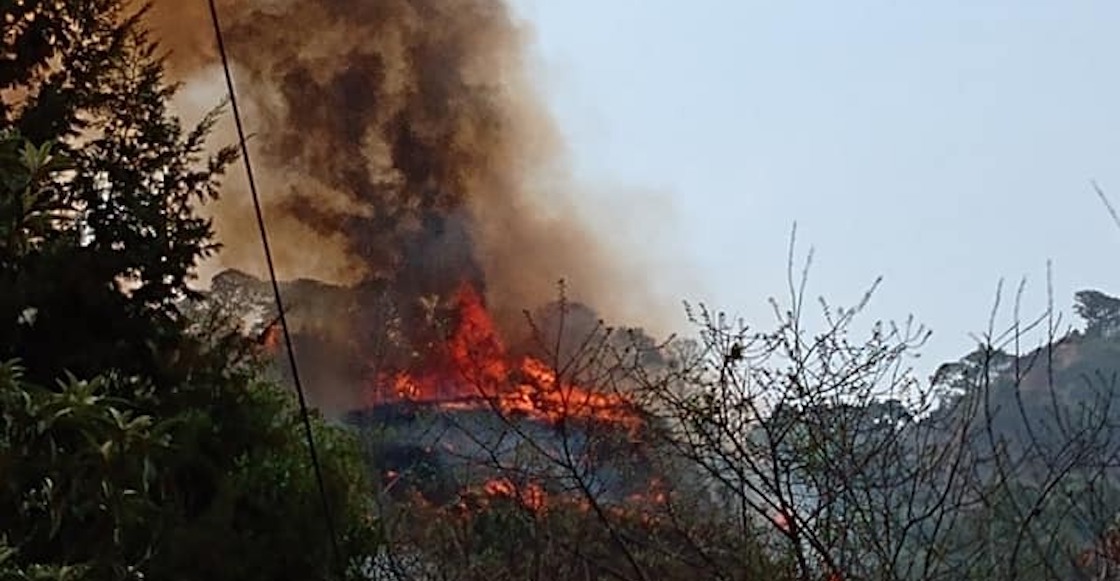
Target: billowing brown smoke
396, 139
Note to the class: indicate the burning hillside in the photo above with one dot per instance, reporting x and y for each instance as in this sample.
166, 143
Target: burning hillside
398, 141
362, 351
461, 408
473, 368
408, 167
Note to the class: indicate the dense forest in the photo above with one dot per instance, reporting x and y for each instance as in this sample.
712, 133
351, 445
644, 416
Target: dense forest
149, 429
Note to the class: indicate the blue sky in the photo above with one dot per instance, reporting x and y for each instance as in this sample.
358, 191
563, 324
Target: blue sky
941, 145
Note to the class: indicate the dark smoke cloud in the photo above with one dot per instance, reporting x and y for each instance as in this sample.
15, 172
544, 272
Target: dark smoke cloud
396, 139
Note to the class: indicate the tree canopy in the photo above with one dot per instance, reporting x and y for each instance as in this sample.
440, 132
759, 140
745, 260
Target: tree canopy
135, 443
1100, 311
144, 435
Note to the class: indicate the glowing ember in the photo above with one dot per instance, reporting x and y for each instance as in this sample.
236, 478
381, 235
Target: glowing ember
644, 507
473, 369
270, 338
531, 496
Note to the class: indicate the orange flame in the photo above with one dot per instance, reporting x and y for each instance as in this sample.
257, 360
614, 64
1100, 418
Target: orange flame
474, 370
270, 337
531, 495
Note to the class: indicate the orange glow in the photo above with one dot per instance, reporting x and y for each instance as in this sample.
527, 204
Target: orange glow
270, 338
473, 369
782, 521
535, 498
531, 496
655, 495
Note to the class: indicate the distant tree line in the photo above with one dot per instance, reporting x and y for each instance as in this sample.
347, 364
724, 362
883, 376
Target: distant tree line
144, 436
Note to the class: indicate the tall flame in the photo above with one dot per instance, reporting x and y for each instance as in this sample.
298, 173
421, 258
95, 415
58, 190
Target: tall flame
474, 369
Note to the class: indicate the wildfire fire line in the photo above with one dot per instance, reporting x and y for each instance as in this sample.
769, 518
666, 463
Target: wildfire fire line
397, 140
474, 369
404, 159
467, 401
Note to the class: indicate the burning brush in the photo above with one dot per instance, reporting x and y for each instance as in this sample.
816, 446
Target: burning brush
405, 158
446, 406
474, 369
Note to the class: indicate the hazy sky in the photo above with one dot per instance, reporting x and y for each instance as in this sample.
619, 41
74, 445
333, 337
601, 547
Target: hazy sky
942, 145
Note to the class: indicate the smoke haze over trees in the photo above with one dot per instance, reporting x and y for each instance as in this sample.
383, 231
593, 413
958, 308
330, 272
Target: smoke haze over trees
475, 419
135, 442
401, 140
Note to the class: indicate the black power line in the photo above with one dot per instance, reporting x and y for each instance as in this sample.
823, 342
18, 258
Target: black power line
304, 412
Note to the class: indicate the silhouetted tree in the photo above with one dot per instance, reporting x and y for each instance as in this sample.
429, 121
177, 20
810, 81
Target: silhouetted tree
1100, 311
135, 443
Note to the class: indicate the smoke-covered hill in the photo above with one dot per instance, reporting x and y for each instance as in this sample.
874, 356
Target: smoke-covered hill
1034, 393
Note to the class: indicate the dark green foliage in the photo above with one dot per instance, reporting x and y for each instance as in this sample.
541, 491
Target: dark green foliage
81, 474
168, 486
1100, 311
83, 75
81, 39
134, 442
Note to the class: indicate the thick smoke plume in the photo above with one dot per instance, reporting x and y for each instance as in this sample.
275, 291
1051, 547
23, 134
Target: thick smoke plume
396, 140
